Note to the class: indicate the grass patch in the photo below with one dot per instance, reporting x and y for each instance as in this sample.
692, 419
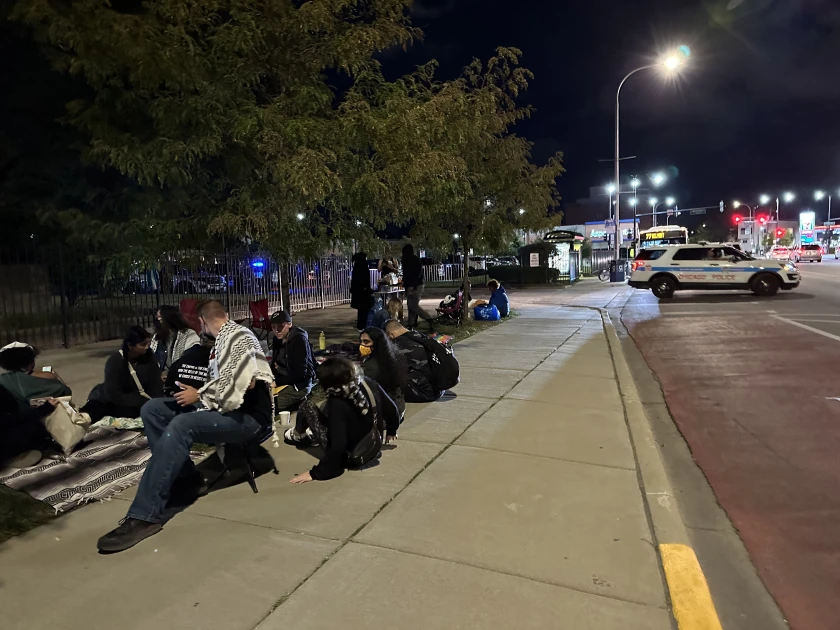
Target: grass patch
20, 513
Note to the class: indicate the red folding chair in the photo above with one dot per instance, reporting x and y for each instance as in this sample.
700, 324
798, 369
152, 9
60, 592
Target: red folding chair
189, 309
260, 321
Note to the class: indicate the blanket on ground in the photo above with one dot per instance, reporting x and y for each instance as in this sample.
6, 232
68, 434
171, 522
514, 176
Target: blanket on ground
108, 463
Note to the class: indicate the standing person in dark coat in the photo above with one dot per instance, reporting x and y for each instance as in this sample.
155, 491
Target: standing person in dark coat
361, 295
414, 285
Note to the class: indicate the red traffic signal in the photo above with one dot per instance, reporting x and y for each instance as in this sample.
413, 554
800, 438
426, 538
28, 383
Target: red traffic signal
738, 219
780, 232
762, 220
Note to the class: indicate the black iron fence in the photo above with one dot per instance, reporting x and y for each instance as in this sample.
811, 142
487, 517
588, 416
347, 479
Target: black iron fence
57, 296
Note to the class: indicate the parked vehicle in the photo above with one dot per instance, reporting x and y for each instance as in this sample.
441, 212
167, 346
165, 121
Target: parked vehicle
807, 253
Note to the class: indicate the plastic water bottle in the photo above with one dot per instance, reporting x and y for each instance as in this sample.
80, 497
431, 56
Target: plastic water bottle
322, 341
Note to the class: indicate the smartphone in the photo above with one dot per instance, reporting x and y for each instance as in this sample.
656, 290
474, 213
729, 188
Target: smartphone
46, 368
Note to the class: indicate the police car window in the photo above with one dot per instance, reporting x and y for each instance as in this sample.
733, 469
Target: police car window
734, 254
650, 254
690, 253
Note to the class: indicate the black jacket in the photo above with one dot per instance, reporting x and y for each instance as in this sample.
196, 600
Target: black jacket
291, 360
346, 427
361, 294
119, 387
190, 369
412, 271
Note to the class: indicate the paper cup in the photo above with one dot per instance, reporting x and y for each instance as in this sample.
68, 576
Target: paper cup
286, 418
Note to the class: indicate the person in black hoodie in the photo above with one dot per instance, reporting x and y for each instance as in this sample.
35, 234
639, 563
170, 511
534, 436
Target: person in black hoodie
345, 419
291, 362
132, 377
414, 285
361, 295
382, 362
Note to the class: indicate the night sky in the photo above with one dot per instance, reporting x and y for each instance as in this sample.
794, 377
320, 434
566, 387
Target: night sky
757, 110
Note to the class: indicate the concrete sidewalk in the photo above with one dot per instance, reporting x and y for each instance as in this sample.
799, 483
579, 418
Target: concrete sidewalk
515, 505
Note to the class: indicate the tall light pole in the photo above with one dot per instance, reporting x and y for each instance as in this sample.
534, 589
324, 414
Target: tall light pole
788, 197
610, 190
753, 231
671, 64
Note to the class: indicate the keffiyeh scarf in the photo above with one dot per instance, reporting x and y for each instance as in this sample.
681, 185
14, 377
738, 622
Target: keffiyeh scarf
236, 360
314, 417
352, 393
177, 344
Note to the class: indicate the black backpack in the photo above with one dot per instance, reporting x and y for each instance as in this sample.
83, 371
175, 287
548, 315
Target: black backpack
444, 370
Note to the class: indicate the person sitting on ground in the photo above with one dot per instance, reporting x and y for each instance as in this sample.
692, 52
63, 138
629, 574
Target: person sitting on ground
354, 403
382, 362
361, 295
291, 362
233, 407
498, 298
173, 337
393, 310
418, 387
132, 377
22, 381
23, 435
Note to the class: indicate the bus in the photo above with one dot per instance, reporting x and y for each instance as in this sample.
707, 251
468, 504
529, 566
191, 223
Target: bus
664, 235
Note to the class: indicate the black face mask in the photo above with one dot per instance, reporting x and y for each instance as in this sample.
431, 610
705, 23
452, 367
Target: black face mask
144, 358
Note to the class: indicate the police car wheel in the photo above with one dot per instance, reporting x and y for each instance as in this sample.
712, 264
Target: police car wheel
765, 285
663, 287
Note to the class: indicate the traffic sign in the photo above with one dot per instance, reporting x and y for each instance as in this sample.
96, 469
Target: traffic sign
698, 211
609, 223
670, 212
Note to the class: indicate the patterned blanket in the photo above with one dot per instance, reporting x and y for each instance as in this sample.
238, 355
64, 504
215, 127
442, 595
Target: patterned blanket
108, 463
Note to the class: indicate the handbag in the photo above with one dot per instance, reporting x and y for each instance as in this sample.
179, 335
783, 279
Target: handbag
66, 425
371, 445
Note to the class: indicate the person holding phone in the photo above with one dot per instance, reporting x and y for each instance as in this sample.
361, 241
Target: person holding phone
21, 379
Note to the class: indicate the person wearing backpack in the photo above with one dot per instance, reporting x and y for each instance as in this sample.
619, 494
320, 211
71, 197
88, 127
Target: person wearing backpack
432, 367
349, 426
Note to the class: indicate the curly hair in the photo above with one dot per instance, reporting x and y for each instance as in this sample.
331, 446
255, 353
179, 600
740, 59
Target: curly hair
393, 372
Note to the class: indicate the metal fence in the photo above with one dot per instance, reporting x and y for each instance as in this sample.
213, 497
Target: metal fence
599, 259
54, 296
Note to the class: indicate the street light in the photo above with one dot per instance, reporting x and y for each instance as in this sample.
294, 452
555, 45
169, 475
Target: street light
658, 179
670, 201
670, 64
610, 190
764, 199
300, 216
788, 197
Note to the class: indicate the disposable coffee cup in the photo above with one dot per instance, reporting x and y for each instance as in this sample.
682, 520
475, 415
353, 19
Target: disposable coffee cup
285, 418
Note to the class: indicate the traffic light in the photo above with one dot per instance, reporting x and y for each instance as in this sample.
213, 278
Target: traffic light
780, 232
738, 219
762, 220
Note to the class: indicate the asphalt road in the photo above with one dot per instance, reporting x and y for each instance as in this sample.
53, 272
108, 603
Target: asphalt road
752, 385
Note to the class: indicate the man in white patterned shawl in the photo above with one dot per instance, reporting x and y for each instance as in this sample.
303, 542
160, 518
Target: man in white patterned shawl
234, 406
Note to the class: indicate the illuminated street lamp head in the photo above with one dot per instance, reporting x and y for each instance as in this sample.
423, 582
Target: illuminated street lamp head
788, 197
455, 235
300, 216
736, 204
522, 211
670, 201
633, 201
676, 59
654, 201
610, 188
658, 179
635, 183
819, 195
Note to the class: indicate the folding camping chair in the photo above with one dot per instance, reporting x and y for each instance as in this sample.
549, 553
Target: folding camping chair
260, 321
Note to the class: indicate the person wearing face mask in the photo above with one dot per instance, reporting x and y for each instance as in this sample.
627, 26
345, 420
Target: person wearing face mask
291, 362
173, 337
132, 377
382, 363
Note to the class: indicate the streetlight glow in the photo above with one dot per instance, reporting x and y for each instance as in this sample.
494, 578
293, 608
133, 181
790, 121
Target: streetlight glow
736, 204
672, 62
300, 216
819, 195
455, 236
788, 197
610, 188
633, 201
521, 211
653, 201
658, 179
670, 201
764, 199
635, 183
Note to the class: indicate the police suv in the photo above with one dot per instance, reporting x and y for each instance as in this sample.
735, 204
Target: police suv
668, 268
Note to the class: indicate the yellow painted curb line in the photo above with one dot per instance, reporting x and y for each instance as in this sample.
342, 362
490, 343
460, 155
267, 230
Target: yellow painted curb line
691, 600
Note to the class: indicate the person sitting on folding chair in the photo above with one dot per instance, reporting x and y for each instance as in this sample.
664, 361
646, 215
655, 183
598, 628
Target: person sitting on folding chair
235, 406
291, 362
173, 337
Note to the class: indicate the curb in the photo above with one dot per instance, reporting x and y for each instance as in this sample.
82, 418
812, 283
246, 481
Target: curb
691, 601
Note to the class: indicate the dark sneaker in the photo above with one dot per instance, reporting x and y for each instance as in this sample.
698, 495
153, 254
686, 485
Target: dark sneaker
130, 532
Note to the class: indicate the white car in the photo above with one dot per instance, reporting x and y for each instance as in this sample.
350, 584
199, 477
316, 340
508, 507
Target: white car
807, 253
779, 253
668, 268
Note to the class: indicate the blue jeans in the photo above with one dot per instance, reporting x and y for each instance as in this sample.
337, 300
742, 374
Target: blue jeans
171, 430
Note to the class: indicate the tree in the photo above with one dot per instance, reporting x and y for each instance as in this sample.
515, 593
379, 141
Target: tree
476, 179
216, 118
